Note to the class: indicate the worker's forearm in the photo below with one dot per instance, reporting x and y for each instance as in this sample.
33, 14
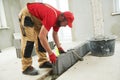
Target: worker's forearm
42, 35
45, 44
56, 39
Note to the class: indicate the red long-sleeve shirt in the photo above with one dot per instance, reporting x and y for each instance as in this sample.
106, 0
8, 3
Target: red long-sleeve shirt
47, 14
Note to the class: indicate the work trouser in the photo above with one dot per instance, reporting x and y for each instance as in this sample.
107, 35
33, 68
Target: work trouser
30, 28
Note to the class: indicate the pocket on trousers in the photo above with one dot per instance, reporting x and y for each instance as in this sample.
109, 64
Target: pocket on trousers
28, 22
40, 47
28, 49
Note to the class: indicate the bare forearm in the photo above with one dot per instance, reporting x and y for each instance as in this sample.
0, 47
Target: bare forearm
56, 39
45, 44
42, 35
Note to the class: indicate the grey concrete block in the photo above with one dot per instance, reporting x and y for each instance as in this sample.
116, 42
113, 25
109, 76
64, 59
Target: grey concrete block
65, 61
83, 49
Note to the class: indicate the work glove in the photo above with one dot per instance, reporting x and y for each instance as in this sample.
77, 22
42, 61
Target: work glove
61, 51
52, 57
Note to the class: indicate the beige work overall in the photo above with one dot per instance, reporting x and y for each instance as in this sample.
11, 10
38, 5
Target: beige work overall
29, 37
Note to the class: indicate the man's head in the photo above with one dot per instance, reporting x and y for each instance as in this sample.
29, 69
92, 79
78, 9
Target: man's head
65, 18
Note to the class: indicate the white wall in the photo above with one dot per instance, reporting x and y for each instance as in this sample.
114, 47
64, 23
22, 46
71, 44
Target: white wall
111, 23
12, 8
24, 2
83, 24
82, 28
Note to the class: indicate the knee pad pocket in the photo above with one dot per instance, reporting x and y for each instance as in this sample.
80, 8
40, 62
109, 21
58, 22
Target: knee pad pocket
28, 22
28, 49
40, 47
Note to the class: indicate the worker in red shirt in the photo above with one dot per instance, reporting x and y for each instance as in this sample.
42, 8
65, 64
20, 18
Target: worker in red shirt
36, 20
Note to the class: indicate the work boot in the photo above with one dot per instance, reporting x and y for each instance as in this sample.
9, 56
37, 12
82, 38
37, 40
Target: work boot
46, 65
30, 71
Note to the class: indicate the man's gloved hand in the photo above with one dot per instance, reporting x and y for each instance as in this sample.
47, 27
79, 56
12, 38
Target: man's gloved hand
61, 51
52, 57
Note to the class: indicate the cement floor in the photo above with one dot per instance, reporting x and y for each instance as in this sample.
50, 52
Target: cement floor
92, 68
95, 68
10, 67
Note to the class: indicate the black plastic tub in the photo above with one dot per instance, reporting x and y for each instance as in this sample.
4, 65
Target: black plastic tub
102, 47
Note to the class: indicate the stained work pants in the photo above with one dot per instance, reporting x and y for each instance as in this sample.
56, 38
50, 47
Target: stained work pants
30, 27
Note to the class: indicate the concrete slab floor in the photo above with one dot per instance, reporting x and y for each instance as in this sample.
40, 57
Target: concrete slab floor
95, 68
10, 67
92, 68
